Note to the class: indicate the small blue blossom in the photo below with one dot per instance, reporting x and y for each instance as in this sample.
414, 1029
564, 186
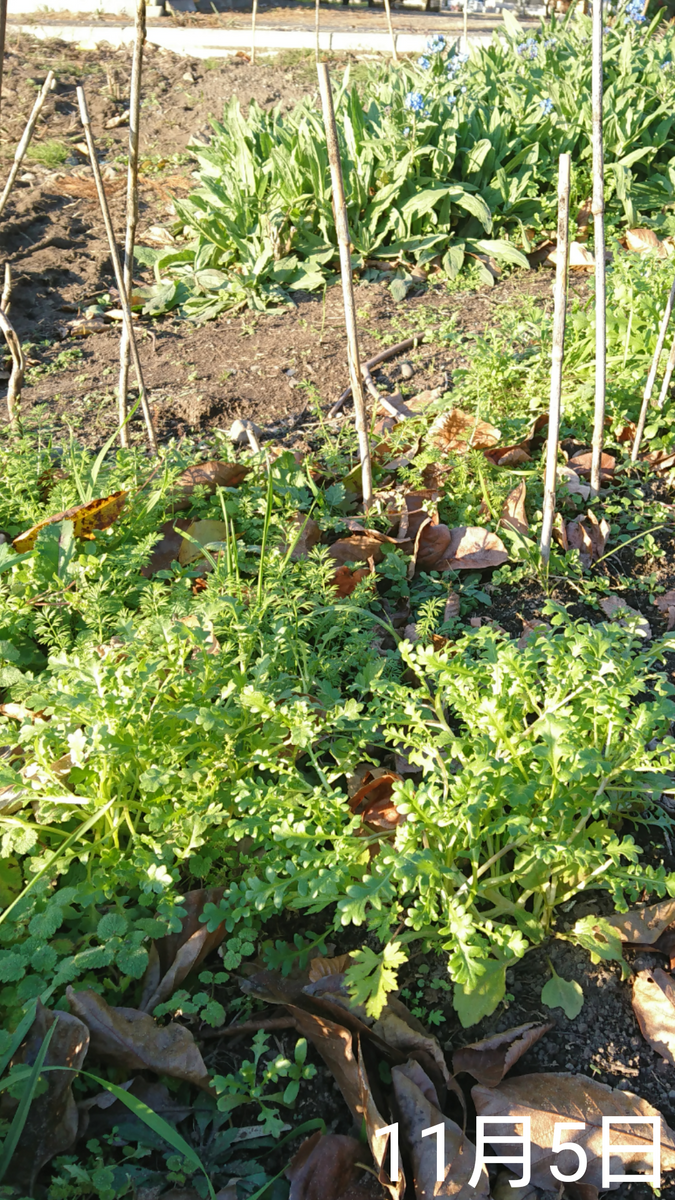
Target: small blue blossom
423, 63
549, 42
546, 106
634, 13
406, 131
451, 99
456, 63
414, 101
462, 90
436, 44
529, 48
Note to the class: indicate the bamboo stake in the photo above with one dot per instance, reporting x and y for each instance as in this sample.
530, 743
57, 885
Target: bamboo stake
342, 227
598, 210
557, 355
3, 30
316, 31
254, 13
132, 210
18, 362
465, 47
387, 9
124, 301
25, 140
668, 375
651, 378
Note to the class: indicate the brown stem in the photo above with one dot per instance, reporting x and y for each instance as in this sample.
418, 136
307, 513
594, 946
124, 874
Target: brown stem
132, 210
266, 1023
18, 363
382, 356
557, 354
342, 228
124, 301
25, 140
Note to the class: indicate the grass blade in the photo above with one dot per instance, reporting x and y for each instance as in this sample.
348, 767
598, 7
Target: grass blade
21, 1114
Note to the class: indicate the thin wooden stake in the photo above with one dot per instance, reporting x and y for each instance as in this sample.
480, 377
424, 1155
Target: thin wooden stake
557, 354
316, 31
124, 300
25, 140
342, 227
132, 210
387, 9
651, 378
3, 31
254, 13
18, 362
598, 210
670, 365
465, 47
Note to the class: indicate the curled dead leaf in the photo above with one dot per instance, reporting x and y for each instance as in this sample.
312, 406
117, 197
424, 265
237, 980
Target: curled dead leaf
374, 801
473, 549
208, 475
654, 1007
320, 967
358, 548
97, 514
644, 926
570, 483
490, 1059
310, 536
579, 257
530, 630
644, 241
451, 609
180, 953
617, 610
581, 463
666, 606
513, 514
661, 460
326, 1167
345, 580
167, 549
130, 1038
588, 536
460, 431
400, 1029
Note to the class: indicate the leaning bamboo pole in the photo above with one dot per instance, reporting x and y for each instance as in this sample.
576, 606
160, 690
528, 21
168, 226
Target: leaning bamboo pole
651, 378
25, 139
557, 354
387, 9
316, 30
254, 14
124, 299
132, 210
18, 362
598, 210
342, 228
3, 31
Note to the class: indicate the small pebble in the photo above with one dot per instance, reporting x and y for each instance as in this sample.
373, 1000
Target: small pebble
406, 370
189, 77
27, 178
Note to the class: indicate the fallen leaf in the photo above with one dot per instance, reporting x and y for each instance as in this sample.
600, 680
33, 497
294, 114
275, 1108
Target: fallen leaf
490, 1059
422, 400
156, 235
513, 514
654, 1007
52, 1124
644, 926
451, 609
666, 606
209, 475
334, 1044
320, 967
121, 119
588, 536
379, 1146
643, 240
399, 1028
435, 475
472, 549
570, 483
309, 537
206, 533
617, 610
433, 546
374, 801
167, 549
660, 460
417, 1114
581, 463
530, 630
459, 431
508, 456
345, 580
579, 257
97, 514
99, 1114
325, 1168
358, 548
549, 1098
180, 953
626, 433
130, 1038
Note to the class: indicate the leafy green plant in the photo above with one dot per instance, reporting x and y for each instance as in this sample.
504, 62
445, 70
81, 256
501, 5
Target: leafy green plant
248, 1085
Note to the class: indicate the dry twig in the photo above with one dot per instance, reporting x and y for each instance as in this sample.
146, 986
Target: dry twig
383, 356
557, 354
132, 210
124, 300
18, 362
342, 227
651, 379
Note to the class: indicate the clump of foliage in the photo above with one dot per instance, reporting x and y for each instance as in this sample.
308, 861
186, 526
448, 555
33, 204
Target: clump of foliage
446, 160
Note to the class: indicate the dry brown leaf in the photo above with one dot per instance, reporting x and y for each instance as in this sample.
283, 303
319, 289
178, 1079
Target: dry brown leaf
642, 241
379, 1146
85, 189
206, 533
508, 456
549, 1098
97, 514
588, 536
374, 801
167, 549
130, 1038
492, 1058
51, 1127
451, 609
345, 580
419, 1113
580, 258
208, 475
654, 1007
581, 463
334, 1043
644, 926
473, 549
617, 610
325, 1168
320, 967
661, 460
570, 483
358, 548
422, 400
626, 433
433, 546
666, 606
458, 431
530, 629
513, 513
435, 475
180, 953
310, 536
399, 1028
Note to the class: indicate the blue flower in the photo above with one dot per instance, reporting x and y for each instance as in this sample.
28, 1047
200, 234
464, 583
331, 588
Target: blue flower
406, 131
423, 63
414, 101
436, 44
546, 106
529, 48
634, 13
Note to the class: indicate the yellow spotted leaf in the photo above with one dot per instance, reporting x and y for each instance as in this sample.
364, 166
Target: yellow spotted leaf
98, 514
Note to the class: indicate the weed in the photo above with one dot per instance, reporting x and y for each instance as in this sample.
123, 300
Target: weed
49, 152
